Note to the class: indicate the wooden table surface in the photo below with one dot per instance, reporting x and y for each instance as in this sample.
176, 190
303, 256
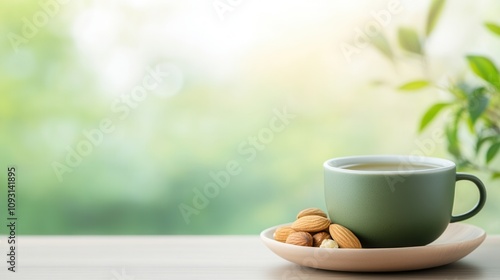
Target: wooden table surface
199, 257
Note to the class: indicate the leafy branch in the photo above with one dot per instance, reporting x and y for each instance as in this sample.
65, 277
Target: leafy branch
474, 109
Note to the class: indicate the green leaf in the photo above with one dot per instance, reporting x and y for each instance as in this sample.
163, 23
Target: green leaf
381, 43
452, 135
414, 85
409, 41
434, 13
459, 90
431, 114
482, 140
485, 69
453, 145
477, 104
495, 175
493, 27
492, 151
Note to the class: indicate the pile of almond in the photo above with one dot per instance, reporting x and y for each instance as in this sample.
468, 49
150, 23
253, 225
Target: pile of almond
313, 228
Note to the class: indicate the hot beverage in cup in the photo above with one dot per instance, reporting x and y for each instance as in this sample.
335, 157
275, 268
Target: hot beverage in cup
395, 201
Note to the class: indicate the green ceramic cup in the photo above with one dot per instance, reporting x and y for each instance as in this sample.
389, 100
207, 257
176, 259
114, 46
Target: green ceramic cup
395, 201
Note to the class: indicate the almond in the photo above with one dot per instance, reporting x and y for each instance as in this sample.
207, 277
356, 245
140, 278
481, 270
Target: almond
329, 243
344, 237
319, 237
312, 223
311, 211
282, 233
300, 238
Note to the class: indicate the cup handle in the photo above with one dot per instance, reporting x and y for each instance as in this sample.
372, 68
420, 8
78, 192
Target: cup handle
482, 197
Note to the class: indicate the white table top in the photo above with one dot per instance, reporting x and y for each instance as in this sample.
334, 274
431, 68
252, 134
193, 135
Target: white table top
198, 257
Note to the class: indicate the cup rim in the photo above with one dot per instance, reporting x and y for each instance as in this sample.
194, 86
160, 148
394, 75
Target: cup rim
336, 164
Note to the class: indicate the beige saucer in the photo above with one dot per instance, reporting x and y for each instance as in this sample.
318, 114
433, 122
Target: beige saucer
455, 243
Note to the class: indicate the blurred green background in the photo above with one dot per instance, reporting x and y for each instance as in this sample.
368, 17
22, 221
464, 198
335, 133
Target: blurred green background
116, 113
